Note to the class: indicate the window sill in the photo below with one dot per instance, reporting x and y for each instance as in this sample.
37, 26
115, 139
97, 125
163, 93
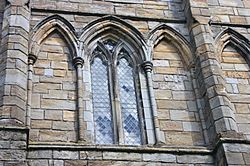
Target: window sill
120, 148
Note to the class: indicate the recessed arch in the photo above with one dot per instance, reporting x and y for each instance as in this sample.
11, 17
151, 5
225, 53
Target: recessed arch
164, 31
49, 25
235, 39
113, 27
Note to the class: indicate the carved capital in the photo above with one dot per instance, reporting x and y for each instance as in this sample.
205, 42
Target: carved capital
78, 61
32, 59
147, 66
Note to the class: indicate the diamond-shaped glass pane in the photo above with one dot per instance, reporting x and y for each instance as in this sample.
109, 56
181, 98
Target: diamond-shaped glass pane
130, 120
101, 103
110, 44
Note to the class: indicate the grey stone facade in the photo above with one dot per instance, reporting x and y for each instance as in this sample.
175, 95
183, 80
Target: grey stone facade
193, 76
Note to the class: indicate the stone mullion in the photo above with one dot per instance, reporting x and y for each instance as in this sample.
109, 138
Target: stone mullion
148, 67
78, 62
15, 35
31, 60
212, 85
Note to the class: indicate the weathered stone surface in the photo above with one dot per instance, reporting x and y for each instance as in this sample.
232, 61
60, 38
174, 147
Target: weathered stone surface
40, 154
235, 158
160, 157
195, 159
121, 156
65, 155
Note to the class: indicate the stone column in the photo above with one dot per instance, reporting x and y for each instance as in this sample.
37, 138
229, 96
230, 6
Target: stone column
13, 82
14, 55
148, 67
31, 60
218, 110
78, 63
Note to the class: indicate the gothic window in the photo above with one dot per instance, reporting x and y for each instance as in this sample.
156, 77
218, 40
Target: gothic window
116, 108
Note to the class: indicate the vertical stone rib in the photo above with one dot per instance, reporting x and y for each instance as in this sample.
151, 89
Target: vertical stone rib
31, 60
78, 63
148, 67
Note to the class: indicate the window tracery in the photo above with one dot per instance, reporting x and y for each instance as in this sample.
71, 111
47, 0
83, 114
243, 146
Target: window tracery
116, 106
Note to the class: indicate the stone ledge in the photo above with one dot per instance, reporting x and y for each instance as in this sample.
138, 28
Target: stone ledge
13, 128
139, 149
137, 18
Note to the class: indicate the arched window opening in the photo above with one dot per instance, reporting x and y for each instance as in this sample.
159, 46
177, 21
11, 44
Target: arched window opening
116, 105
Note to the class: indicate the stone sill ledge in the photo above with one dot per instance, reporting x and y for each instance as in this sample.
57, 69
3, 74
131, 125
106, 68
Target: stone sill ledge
120, 148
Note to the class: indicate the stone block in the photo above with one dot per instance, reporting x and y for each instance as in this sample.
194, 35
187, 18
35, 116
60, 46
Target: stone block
53, 114
163, 94
41, 63
75, 162
56, 56
59, 65
178, 138
125, 11
195, 159
163, 114
56, 94
242, 108
59, 125
59, 73
58, 162
171, 104
91, 155
38, 162
160, 63
182, 115
99, 8
69, 116
246, 158
65, 155
37, 114
166, 158
53, 135
191, 126
244, 89
41, 124
170, 125
40, 154
12, 155
48, 72
35, 101
69, 86
58, 104
44, 87
121, 156
234, 158
21, 145
19, 21
183, 95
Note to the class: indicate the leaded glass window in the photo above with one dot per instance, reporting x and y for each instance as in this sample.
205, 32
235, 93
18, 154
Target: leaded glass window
101, 103
114, 94
130, 121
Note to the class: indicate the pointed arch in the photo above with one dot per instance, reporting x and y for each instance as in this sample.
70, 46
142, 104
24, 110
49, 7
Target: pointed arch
49, 25
230, 36
164, 31
113, 27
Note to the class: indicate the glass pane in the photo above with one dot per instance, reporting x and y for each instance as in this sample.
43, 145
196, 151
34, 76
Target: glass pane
131, 124
110, 44
101, 103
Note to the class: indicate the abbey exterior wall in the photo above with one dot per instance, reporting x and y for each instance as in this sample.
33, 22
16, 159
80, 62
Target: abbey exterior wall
200, 81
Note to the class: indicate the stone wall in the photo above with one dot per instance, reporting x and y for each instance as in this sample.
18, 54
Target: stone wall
195, 98
2, 5
176, 101
53, 104
236, 72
